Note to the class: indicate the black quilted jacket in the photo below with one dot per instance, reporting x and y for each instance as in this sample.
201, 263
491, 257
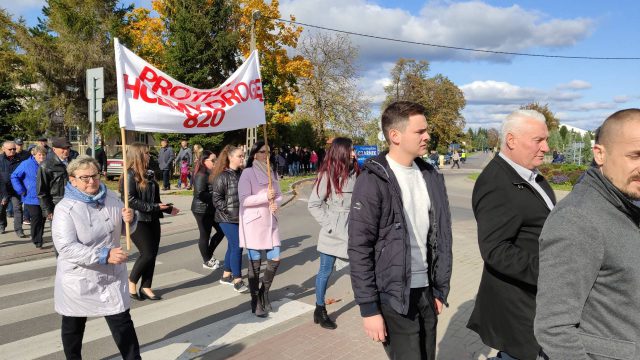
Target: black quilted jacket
202, 203
225, 196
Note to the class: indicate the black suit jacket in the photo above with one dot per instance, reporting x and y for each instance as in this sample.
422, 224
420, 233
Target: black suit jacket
510, 214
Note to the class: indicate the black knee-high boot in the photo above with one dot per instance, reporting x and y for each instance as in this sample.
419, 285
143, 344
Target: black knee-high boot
254, 274
267, 280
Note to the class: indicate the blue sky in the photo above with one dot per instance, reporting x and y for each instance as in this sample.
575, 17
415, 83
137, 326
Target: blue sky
581, 92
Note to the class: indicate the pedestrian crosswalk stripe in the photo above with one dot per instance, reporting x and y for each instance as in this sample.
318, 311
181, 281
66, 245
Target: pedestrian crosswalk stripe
50, 342
224, 332
27, 265
38, 284
40, 308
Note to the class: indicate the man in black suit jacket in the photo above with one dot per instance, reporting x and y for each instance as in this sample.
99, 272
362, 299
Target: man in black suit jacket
511, 201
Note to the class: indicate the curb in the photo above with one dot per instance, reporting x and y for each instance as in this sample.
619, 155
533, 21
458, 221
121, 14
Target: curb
293, 193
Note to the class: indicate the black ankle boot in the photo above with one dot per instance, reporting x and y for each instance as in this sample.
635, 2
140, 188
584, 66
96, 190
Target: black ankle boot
321, 317
267, 280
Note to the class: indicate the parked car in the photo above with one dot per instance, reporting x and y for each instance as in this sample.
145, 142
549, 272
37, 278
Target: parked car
115, 164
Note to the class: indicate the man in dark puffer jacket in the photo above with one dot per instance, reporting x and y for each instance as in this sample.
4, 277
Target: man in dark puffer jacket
400, 239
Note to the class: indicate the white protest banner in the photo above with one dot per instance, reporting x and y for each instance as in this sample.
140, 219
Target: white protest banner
150, 100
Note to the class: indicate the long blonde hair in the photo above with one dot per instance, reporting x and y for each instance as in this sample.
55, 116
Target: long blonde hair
137, 161
197, 152
222, 162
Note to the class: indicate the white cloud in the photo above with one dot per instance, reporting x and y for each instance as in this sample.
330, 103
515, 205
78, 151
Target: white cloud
472, 24
621, 99
575, 85
586, 106
498, 92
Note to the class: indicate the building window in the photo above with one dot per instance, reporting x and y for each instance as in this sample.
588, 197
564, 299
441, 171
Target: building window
141, 137
74, 134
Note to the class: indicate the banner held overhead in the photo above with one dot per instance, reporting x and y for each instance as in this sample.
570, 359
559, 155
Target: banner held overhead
149, 100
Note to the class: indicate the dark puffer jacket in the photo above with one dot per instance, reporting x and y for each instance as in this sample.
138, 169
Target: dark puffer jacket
202, 188
225, 196
51, 180
145, 201
7, 166
379, 245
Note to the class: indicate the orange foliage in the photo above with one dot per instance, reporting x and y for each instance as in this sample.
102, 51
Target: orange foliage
279, 71
145, 33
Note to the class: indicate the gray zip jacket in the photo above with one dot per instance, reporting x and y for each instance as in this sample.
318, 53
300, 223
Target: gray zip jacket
331, 211
589, 280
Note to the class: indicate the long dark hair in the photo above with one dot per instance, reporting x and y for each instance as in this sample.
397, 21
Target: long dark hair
200, 166
337, 165
254, 150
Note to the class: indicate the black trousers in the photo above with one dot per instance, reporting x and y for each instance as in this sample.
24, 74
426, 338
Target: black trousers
412, 336
121, 328
147, 240
37, 223
166, 176
207, 243
17, 213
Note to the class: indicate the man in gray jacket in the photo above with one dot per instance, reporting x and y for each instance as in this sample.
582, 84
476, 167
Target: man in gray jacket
165, 162
587, 301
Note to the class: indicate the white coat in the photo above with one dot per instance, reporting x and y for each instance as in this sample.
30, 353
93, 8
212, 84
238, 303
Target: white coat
83, 287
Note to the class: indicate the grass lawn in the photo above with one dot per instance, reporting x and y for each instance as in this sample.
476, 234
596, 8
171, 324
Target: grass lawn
561, 187
285, 184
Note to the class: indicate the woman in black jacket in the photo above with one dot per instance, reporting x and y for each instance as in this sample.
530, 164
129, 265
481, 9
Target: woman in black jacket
144, 196
226, 173
203, 210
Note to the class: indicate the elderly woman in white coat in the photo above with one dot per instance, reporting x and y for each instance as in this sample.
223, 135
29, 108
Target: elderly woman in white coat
91, 275
329, 204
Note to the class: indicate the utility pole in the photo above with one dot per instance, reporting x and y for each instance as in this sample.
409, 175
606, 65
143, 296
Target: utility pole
252, 133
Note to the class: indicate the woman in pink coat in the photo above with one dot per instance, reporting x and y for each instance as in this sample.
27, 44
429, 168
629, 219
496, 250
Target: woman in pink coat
259, 225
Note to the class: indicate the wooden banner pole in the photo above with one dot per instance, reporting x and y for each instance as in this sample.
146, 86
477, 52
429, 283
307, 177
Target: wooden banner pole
125, 179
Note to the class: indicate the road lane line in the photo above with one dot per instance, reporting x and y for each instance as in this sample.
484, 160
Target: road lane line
45, 307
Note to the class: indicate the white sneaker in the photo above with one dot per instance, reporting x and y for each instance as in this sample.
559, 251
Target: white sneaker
211, 264
240, 287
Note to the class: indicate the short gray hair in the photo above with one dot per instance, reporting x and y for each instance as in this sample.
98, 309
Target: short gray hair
81, 162
515, 119
39, 149
8, 142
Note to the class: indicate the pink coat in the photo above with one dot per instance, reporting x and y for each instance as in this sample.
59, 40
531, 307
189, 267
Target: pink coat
258, 227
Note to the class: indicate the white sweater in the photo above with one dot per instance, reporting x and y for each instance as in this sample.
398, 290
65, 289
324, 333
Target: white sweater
416, 205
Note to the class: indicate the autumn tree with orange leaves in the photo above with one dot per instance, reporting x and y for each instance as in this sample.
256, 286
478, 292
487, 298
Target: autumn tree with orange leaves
280, 73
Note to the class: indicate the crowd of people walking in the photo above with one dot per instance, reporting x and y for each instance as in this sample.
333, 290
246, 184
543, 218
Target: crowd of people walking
552, 286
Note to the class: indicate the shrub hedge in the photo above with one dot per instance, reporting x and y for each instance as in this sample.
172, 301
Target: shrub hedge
567, 174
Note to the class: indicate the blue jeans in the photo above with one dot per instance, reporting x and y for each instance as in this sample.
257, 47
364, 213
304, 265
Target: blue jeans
504, 356
272, 254
233, 257
322, 279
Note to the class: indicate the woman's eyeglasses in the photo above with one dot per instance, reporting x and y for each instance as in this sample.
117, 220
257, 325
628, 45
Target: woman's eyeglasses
85, 178
262, 151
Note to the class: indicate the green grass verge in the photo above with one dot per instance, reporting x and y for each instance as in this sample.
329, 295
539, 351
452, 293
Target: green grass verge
285, 184
561, 187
